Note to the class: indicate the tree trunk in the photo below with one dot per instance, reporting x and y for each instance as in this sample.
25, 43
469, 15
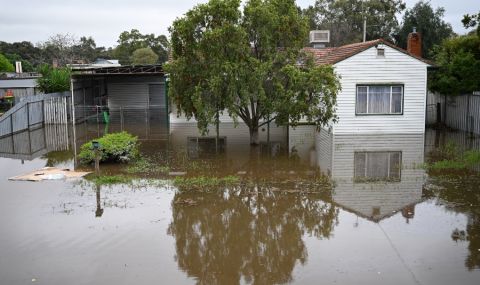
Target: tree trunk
254, 140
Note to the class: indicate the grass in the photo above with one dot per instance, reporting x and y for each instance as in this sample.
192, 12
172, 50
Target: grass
449, 157
146, 166
204, 182
109, 179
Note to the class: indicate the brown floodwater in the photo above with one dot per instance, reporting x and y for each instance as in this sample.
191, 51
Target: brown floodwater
383, 219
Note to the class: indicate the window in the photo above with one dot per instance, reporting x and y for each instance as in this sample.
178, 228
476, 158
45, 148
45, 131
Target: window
379, 99
377, 166
380, 52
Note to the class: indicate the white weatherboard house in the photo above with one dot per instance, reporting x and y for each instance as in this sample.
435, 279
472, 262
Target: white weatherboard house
383, 86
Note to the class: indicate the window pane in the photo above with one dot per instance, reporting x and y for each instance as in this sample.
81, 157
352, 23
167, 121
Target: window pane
396, 103
361, 100
379, 99
397, 89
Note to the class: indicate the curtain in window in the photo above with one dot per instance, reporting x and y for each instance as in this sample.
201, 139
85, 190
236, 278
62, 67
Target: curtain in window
379, 99
362, 99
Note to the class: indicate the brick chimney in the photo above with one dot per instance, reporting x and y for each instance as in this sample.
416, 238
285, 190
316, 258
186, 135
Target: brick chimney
414, 43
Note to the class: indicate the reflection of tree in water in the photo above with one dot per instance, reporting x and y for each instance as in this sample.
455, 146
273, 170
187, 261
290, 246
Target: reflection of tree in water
461, 195
252, 233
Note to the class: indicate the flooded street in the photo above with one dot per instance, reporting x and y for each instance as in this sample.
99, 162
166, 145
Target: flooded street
383, 220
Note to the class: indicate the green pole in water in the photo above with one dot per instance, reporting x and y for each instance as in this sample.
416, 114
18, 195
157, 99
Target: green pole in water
106, 117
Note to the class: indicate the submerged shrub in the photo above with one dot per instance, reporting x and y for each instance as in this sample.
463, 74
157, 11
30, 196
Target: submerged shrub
147, 166
116, 147
110, 179
204, 182
456, 161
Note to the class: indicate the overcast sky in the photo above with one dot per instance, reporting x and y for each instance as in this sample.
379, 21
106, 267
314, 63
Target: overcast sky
35, 21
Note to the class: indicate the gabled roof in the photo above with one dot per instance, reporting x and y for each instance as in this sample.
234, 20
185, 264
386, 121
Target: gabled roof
337, 54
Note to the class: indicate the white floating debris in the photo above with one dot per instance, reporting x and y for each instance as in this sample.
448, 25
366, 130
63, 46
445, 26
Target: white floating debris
241, 172
177, 173
49, 173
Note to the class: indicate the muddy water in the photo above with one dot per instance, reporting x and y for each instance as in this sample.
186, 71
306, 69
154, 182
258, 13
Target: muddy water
384, 220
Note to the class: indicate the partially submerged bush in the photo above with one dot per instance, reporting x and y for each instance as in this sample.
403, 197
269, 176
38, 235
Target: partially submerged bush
456, 161
147, 166
110, 179
116, 147
204, 182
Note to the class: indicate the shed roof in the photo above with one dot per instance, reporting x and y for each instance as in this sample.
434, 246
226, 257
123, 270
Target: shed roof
337, 54
120, 70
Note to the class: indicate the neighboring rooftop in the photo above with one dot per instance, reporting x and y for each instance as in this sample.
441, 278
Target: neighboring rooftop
98, 63
337, 54
14, 76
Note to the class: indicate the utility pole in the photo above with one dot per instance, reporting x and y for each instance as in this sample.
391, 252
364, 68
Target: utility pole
364, 23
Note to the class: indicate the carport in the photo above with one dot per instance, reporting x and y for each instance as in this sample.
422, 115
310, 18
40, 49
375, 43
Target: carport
134, 97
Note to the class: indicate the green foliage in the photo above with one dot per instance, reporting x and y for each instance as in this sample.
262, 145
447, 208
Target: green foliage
53, 79
449, 157
246, 64
429, 23
146, 166
345, 18
458, 61
25, 50
26, 65
204, 182
115, 147
5, 65
470, 21
109, 179
144, 56
128, 42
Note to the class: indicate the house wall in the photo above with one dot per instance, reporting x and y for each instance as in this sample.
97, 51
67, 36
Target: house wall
366, 68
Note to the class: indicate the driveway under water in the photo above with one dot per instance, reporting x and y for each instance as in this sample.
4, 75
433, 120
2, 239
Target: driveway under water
384, 220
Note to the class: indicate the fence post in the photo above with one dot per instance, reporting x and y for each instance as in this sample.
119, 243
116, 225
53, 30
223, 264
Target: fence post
28, 115
439, 113
121, 119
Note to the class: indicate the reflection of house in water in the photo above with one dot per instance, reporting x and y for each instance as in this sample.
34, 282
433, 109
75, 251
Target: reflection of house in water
375, 175
234, 141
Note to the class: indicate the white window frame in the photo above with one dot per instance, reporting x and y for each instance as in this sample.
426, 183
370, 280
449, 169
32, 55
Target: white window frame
368, 99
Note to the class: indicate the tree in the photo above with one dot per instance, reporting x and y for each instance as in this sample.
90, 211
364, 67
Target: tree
429, 23
53, 79
470, 21
249, 65
344, 19
25, 50
26, 65
144, 56
128, 42
458, 61
60, 48
5, 64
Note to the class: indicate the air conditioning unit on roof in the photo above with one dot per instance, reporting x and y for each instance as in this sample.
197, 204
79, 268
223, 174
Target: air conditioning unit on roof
319, 36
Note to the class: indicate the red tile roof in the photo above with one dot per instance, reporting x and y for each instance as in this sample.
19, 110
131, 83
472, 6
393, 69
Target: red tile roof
337, 54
